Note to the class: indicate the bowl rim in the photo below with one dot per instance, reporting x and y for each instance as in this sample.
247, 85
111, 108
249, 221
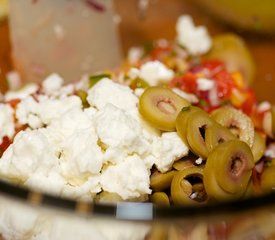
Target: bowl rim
136, 211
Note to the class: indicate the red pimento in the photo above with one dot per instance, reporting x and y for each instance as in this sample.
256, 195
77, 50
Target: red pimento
225, 84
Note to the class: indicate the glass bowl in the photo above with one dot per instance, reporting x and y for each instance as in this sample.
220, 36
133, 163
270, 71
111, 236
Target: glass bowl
36, 215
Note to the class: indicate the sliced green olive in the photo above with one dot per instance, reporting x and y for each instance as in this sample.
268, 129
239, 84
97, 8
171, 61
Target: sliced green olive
182, 119
187, 187
160, 106
160, 198
217, 134
198, 122
231, 164
184, 163
138, 83
231, 49
213, 190
268, 179
258, 147
237, 122
161, 181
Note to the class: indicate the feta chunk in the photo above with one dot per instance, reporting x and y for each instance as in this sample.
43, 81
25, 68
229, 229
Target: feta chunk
22, 93
30, 153
45, 110
167, 149
123, 130
106, 91
6, 122
129, 178
52, 84
195, 39
155, 72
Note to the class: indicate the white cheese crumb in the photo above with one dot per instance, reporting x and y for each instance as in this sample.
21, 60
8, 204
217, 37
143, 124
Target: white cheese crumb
22, 92
155, 72
6, 122
123, 130
195, 39
106, 91
199, 161
205, 84
133, 73
52, 84
167, 149
129, 178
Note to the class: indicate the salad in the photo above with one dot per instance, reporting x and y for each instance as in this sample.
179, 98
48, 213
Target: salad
176, 124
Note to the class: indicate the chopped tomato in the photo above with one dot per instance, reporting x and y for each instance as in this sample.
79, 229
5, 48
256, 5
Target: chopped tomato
225, 84
187, 82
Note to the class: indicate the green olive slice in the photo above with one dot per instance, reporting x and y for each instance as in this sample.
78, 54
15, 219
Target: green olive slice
161, 181
160, 198
184, 163
184, 187
160, 107
237, 122
197, 124
233, 162
231, 49
182, 119
217, 134
268, 179
258, 147
213, 190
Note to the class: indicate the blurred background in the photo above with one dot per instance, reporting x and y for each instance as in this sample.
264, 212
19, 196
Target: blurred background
158, 19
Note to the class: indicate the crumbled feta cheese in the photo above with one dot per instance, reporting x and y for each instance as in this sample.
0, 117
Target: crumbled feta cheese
6, 122
199, 161
205, 84
52, 84
30, 153
45, 110
80, 154
195, 39
133, 73
134, 55
123, 130
139, 91
129, 178
22, 92
155, 72
167, 149
107, 91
